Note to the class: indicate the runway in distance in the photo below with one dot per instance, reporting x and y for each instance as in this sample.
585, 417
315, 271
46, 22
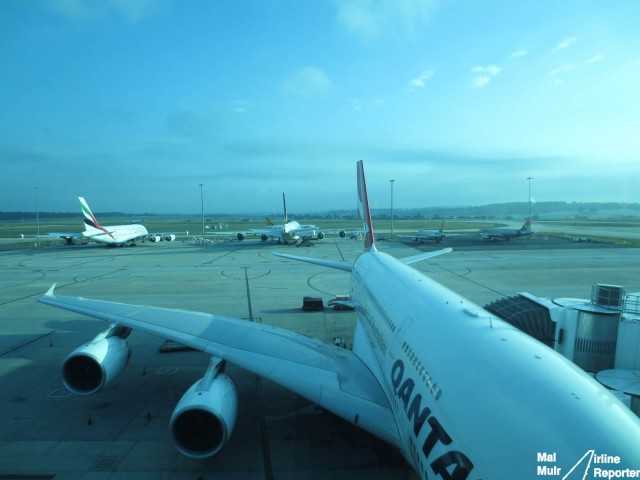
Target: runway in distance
507, 233
461, 393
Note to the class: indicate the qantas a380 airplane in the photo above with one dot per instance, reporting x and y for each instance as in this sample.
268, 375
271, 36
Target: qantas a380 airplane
461, 393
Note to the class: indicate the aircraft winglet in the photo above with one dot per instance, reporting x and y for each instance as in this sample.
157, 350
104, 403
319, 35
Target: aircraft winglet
50, 291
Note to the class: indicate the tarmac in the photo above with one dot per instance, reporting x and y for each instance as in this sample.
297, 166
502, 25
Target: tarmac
122, 431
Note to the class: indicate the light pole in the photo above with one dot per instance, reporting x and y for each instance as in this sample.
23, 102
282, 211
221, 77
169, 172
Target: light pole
37, 219
202, 208
391, 182
529, 178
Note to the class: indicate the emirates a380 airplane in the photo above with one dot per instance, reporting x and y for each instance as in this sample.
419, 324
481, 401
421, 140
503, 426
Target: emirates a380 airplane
118, 235
461, 393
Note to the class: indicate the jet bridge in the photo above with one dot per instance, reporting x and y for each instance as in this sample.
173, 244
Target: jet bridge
528, 315
584, 331
601, 335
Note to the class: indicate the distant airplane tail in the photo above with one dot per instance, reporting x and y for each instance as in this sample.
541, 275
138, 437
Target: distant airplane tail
363, 208
441, 227
90, 221
369, 242
527, 226
284, 204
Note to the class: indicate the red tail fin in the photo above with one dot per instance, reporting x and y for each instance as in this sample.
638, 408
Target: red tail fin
363, 208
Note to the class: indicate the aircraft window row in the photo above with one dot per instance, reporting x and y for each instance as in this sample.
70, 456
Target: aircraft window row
385, 316
417, 364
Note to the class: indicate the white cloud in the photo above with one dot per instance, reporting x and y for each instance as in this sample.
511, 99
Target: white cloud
563, 68
519, 53
565, 43
480, 81
367, 19
484, 75
595, 59
307, 82
421, 80
241, 106
558, 73
356, 104
489, 69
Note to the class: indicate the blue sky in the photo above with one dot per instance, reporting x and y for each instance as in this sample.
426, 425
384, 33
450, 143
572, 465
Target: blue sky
133, 103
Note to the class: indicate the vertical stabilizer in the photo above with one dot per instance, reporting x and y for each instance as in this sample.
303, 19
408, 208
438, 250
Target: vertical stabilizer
363, 208
284, 204
89, 220
527, 226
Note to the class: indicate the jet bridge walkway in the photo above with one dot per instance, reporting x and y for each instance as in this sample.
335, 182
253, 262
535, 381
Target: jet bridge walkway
526, 315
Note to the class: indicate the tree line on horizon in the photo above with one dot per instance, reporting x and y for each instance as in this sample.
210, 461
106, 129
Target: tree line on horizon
480, 211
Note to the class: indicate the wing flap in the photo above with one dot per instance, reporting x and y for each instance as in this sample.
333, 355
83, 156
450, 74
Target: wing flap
332, 377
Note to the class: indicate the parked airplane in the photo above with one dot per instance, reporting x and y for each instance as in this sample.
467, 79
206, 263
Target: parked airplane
118, 235
427, 235
289, 232
507, 233
115, 235
461, 393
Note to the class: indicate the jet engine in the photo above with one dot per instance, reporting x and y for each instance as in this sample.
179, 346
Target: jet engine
170, 238
320, 235
240, 236
154, 238
264, 238
92, 366
342, 234
203, 420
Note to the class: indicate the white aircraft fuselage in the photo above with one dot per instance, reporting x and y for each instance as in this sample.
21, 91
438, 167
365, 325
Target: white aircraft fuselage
473, 397
117, 234
461, 393
433, 235
290, 232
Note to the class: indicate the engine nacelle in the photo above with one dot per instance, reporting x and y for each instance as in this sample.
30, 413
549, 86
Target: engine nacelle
170, 238
320, 235
94, 365
342, 234
240, 236
264, 238
203, 420
154, 238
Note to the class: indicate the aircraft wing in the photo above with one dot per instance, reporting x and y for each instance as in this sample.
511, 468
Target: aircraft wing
68, 236
306, 231
424, 256
342, 230
169, 236
266, 231
332, 377
416, 237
